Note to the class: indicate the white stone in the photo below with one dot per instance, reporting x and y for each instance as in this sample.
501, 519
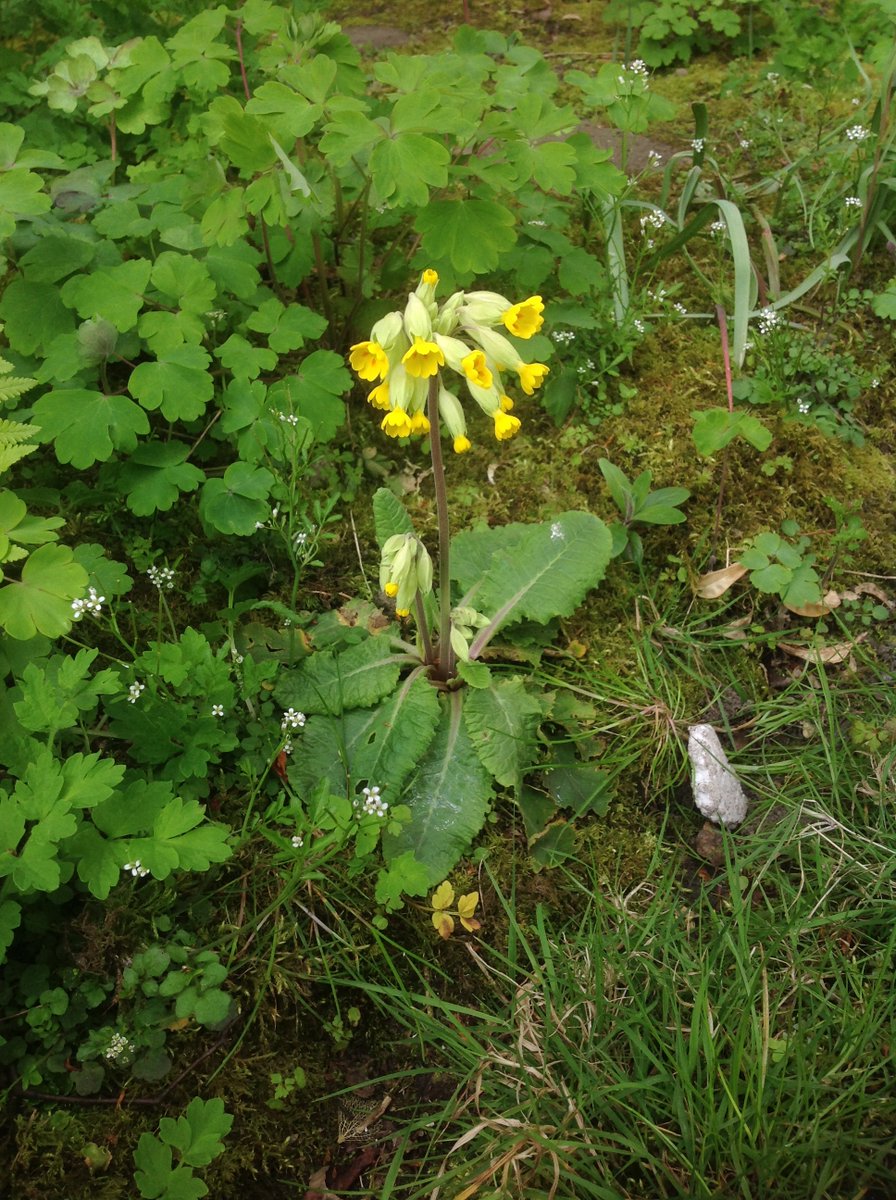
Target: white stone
717, 792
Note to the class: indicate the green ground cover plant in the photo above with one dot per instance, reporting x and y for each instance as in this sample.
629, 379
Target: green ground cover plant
346, 844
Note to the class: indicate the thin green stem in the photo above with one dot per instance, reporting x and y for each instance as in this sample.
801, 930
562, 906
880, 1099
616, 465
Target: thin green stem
446, 655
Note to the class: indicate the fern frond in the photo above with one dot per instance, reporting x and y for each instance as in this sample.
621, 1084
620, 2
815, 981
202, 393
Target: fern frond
14, 442
13, 387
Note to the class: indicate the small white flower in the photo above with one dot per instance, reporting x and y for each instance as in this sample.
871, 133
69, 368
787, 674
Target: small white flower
697, 145
857, 133
161, 577
855, 102
680, 308
217, 710
717, 227
297, 841
768, 319
772, 76
654, 158
745, 143
373, 805
853, 202
539, 224
91, 604
287, 745
292, 720
136, 868
563, 336
135, 691
655, 219
301, 539
803, 405
118, 1046
639, 325
875, 383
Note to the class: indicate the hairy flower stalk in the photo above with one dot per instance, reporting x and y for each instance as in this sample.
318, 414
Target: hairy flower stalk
423, 362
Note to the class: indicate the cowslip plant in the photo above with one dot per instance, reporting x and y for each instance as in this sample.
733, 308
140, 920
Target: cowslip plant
425, 721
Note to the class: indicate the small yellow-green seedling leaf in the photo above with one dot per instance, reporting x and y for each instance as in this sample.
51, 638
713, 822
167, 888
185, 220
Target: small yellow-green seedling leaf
466, 905
443, 896
444, 924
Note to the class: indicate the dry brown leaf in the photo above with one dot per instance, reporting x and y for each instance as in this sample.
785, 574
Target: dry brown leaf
868, 589
734, 630
828, 603
716, 583
832, 655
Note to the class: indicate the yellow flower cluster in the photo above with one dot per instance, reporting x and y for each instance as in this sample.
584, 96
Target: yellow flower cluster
406, 350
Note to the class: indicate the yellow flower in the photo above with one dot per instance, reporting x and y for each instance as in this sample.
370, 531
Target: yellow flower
402, 612
506, 403
379, 397
462, 444
368, 359
524, 319
423, 359
505, 425
396, 423
532, 376
391, 588
475, 368
419, 423
430, 277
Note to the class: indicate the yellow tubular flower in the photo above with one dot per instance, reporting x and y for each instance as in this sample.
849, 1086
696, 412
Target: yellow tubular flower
430, 277
505, 425
396, 423
419, 423
532, 376
402, 612
476, 368
462, 445
391, 588
423, 359
379, 397
506, 403
524, 319
368, 360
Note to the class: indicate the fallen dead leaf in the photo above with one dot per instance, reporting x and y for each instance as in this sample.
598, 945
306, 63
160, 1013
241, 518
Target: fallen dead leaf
716, 583
868, 589
828, 603
831, 655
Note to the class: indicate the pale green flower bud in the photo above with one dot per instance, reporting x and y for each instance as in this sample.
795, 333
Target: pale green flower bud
459, 644
404, 389
426, 290
488, 398
452, 413
454, 349
388, 330
417, 321
446, 320
484, 308
469, 616
424, 569
502, 352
